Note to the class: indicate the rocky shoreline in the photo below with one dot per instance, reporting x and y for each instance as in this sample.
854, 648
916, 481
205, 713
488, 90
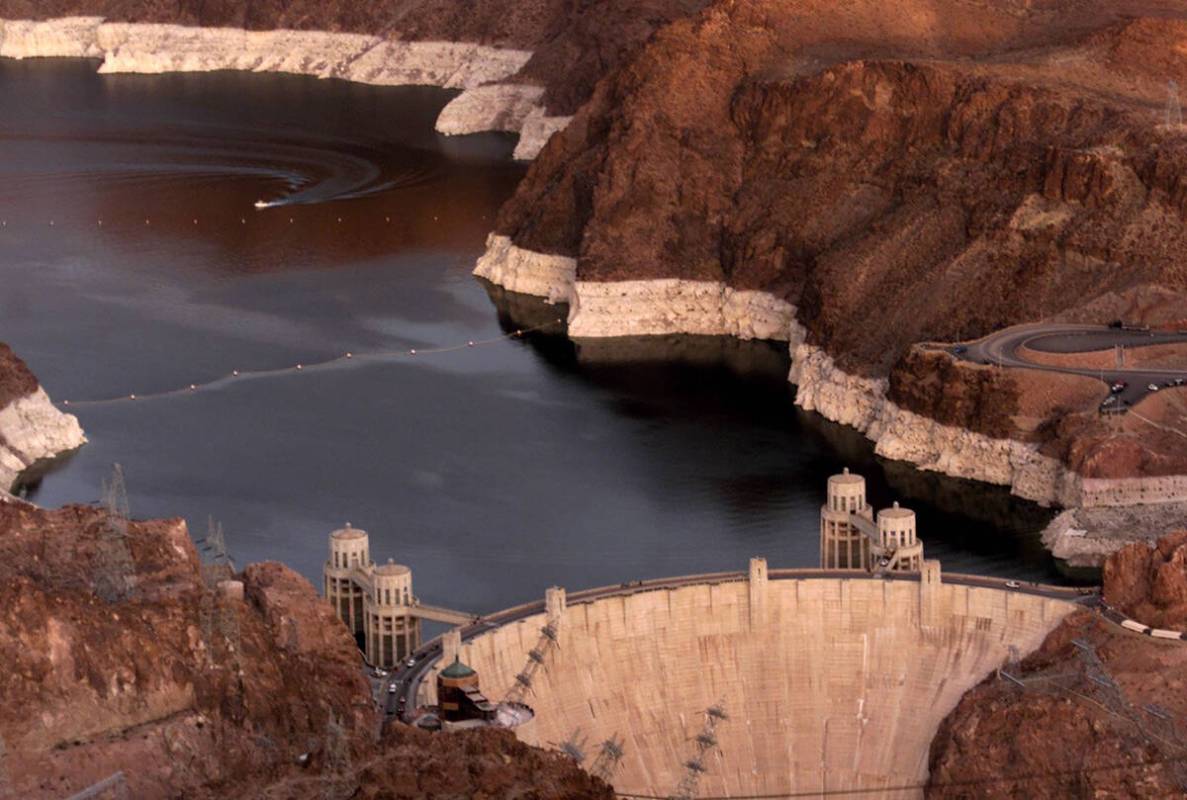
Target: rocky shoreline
669, 306
487, 101
32, 429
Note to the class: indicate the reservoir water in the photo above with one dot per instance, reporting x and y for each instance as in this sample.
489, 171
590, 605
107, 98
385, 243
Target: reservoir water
133, 261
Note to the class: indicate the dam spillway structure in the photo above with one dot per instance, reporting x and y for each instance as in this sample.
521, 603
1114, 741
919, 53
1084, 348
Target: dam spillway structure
375, 602
834, 681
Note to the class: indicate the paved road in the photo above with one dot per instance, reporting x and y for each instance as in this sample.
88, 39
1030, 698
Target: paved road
1002, 348
408, 679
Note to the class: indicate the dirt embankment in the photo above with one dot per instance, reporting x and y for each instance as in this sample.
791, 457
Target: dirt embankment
1068, 733
573, 44
121, 653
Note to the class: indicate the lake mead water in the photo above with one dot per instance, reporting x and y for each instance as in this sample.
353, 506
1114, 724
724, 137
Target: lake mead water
132, 260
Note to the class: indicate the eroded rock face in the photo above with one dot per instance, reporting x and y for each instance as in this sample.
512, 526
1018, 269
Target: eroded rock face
1056, 739
414, 764
1150, 583
122, 657
1004, 741
122, 652
31, 428
931, 175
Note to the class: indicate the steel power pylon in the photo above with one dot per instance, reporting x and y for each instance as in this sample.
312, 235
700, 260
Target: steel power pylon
113, 561
706, 742
609, 757
536, 658
574, 747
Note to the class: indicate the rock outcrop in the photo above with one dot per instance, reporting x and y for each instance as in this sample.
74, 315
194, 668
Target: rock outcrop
929, 175
32, 430
1150, 583
1069, 733
124, 654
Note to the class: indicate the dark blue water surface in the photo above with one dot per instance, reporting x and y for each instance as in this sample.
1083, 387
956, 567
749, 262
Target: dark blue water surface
132, 260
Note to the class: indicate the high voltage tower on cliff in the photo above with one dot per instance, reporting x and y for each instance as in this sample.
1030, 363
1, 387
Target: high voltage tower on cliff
113, 561
706, 742
1090, 680
536, 657
1174, 111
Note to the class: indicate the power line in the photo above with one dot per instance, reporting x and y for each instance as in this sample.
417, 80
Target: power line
914, 787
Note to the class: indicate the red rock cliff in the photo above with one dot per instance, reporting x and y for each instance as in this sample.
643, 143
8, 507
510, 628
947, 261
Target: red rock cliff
1067, 734
119, 654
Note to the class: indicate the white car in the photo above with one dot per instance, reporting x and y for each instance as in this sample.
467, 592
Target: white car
410, 662
1153, 387
1013, 585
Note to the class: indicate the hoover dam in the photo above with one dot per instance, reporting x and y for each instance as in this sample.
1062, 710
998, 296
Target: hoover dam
828, 682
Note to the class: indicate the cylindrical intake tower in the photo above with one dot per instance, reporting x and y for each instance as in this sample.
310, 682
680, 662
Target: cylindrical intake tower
349, 555
842, 544
392, 632
897, 537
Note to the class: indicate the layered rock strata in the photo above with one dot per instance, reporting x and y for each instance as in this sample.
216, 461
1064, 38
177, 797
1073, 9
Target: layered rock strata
32, 429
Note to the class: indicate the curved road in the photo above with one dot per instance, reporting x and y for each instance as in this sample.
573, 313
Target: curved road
408, 679
1002, 348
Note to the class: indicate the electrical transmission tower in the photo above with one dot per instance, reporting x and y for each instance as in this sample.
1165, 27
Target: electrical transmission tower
113, 560
706, 742
1174, 111
573, 747
536, 657
608, 760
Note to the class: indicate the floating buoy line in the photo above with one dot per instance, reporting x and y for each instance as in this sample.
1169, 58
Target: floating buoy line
237, 374
308, 366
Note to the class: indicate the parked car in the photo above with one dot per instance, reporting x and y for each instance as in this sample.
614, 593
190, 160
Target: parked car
1153, 387
1179, 381
391, 689
1118, 387
1013, 585
411, 662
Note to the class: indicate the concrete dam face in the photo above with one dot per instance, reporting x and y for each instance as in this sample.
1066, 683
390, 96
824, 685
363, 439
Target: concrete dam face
828, 683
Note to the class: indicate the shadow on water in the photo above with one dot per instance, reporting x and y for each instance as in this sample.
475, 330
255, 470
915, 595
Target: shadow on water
969, 526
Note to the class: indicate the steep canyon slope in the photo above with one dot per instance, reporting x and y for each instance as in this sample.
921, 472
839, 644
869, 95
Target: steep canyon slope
1069, 733
123, 653
896, 174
